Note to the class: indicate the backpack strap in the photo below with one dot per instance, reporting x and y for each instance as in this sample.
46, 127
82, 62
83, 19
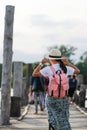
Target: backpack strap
53, 70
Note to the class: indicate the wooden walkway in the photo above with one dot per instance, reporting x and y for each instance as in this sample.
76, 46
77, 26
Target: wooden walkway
31, 121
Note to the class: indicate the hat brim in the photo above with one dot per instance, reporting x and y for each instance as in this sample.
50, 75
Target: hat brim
54, 58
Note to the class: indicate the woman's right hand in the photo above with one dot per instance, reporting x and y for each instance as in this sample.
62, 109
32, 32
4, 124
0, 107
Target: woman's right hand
44, 60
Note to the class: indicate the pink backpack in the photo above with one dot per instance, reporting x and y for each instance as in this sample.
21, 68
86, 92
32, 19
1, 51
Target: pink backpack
58, 84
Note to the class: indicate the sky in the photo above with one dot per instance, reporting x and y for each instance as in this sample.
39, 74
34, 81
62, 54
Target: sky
39, 24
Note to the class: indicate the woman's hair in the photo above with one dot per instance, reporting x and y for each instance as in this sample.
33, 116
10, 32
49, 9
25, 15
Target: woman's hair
62, 66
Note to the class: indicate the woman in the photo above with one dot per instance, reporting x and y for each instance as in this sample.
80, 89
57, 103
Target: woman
58, 109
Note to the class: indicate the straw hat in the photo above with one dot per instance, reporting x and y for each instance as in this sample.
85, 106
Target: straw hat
54, 54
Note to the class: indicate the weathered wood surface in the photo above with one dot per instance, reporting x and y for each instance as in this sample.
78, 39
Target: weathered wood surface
18, 76
7, 65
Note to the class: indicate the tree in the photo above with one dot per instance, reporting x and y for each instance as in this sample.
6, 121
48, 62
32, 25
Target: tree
82, 65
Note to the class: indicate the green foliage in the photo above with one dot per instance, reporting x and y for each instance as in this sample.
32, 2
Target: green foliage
82, 65
67, 51
24, 70
25, 67
84, 56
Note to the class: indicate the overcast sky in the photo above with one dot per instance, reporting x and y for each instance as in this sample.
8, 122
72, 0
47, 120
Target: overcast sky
39, 24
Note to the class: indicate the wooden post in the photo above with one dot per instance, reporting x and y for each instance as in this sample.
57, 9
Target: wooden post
86, 97
79, 79
7, 66
24, 94
17, 90
29, 73
17, 83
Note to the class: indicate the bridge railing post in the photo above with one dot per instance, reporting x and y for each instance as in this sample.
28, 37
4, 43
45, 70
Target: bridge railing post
86, 98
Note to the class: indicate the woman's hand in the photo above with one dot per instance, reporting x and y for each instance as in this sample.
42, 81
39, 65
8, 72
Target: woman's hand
65, 61
45, 60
